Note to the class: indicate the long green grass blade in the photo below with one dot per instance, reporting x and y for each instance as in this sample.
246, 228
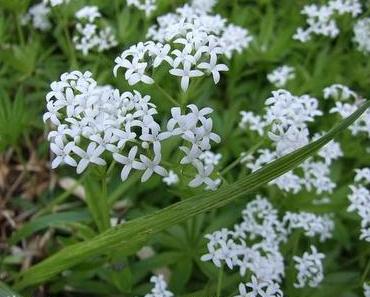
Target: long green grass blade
127, 235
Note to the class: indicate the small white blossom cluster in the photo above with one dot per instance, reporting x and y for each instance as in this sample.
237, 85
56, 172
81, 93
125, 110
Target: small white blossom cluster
362, 35
196, 129
360, 200
346, 102
54, 3
90, 120
287, 117
189, 41
254, 244
171, 179
257, 288
310, 269
160, 287
90, 35
281, 75
210, 158
366, 290
38, 16
321, 18
148, 6
312, 224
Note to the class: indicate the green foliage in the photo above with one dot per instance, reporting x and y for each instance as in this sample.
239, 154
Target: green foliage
15, 119
138, 231
89, 256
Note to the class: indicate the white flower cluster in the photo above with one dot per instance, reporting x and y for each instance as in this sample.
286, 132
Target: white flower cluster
360, 200
254, 244
321, 18
38, 16
90, 34
366, 290
171, 179
190, 41
288, 117
90, 120
362, 35
257, 288
312, 224
310, 270
54, 3
346, 102
160, 287
210, 158
148, 6
280, 76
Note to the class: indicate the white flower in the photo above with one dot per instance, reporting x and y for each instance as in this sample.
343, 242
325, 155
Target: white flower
151, 166
91, 155
362, 34
281, 75
160, 287
258, 288
148, 6
190, 155
203, 175
128, 161
252, 122
89, 121
62, 153
188, 40
186, 73
321, 19
362, 174
366, 290
310, 270
210, 158
88, 12
360, 201
214, 68
313, 225
171, 179
90, 35
38, 15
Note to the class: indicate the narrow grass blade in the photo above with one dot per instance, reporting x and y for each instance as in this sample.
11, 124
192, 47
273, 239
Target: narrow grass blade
127, 235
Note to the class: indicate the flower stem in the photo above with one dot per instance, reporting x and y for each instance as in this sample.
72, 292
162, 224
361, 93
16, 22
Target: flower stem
219, 281
363, 278
19, 30
237, 161
166, 94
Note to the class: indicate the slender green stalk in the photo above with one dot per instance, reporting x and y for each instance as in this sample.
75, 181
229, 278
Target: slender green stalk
166, 94
237, 161
19, 30
219, 281
364, 275
110, 168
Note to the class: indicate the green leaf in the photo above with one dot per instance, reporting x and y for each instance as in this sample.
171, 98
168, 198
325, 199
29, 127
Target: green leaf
143, 227
5, 291
44, 222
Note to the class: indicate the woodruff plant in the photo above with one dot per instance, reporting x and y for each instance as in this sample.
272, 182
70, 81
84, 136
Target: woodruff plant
91, 121
92, 124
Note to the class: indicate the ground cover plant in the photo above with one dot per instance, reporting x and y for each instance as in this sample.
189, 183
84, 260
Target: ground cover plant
197, 149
